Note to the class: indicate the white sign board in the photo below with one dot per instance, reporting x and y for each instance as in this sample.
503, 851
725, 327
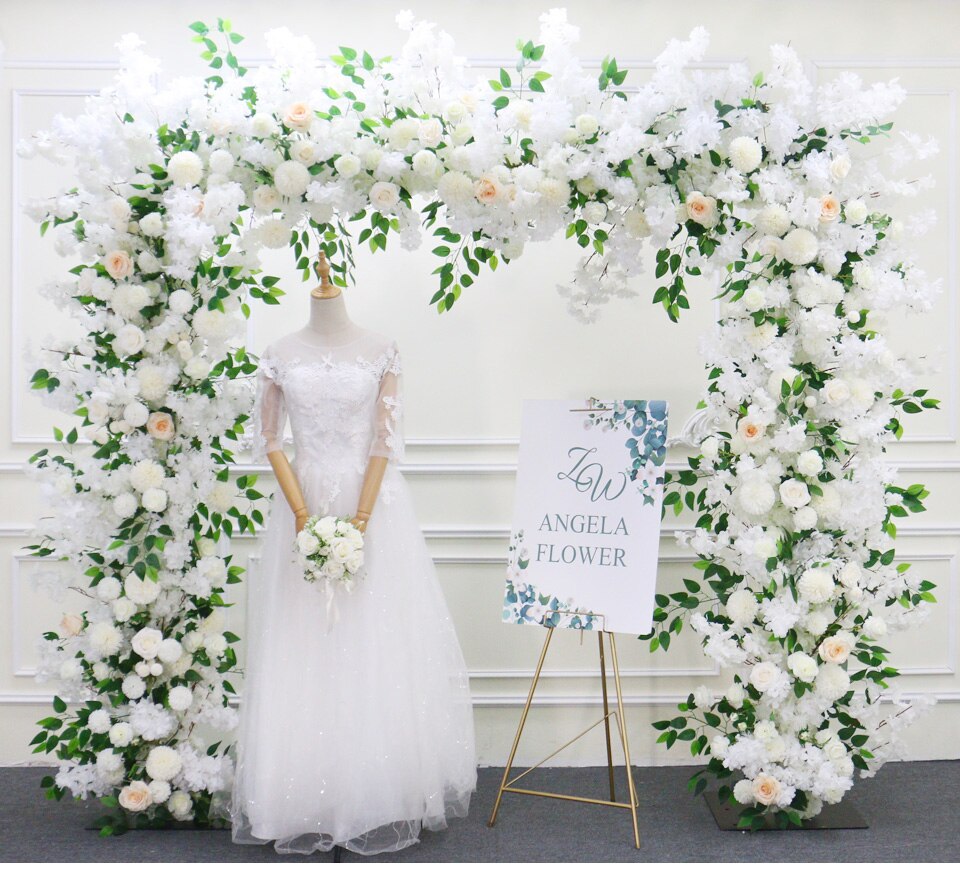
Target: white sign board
586, 524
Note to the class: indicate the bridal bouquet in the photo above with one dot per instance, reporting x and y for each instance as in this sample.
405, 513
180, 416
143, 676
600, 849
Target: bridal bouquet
331, 553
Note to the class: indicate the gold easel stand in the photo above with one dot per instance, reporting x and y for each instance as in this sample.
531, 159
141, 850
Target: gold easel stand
509, 785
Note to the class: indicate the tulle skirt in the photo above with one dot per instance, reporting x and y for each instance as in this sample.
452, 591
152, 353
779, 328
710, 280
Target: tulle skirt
360, 732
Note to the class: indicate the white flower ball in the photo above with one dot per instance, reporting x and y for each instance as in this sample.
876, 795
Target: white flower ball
742, 606
850, 575
159, 791
146, 642
156, 668
180, 301
794, 493
169, 650
135, 414
163, 763
154, 500
773, 220
833, 682
142, 669
99, 721
125, 504
121, 734
803, 666
809, 463
105, 638
291, 178
586, 125
185, 168
743, 792
108, 588
755, 495
799, 246
146, 474
220, 161
745, 154
816, 584
180, 698
133, 687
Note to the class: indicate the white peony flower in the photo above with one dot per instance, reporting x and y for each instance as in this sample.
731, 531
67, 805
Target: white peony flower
185, 168
163, 763
745, 154
180, 805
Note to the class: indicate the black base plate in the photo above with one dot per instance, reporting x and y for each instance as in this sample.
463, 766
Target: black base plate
837, 816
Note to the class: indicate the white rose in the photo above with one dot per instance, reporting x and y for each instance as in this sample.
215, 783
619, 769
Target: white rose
307, 543
745, 154
594, 212
765, 730
454, 111
215, 645
206, 546
754, 298
180, 698
809, 463
146, 642
163, 763
151, 224
108, 588
154, 500
799, 246
703, 697
855, 212
840, 167
836, 649
347, 166
816, 584
430, 132
128, 341
586, 125
384, 196
835, 391
710, 448
123, 609
742, 606
140, 591
635, 223
874, 627
185, 168
765, 547
803, 666
136, 796
326, 528
794, 493
764, 675
133, 687
702, 209
426, 164
180, 805
850, 575
266, 198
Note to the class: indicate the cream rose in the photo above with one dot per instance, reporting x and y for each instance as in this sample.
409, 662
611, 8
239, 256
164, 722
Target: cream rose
71, 624
701, 208
766, 790
487, 189
835, 650
829, 208
751, 430
298, 116
160, 426
118, 264
430, 132
136, 796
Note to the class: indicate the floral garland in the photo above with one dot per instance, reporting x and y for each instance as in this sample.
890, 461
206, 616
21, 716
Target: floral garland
748, 181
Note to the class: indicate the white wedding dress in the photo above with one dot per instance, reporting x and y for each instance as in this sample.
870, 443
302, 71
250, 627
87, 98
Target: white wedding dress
359, 733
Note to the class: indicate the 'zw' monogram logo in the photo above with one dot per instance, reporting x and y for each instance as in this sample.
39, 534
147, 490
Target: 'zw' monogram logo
589, 477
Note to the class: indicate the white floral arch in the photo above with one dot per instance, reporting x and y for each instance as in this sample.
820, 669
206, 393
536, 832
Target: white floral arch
756, 182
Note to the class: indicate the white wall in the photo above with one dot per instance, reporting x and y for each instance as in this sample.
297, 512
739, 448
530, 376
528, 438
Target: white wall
507, 339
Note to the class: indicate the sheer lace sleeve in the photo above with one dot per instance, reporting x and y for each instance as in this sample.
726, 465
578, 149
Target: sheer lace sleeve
388, 429
269, 410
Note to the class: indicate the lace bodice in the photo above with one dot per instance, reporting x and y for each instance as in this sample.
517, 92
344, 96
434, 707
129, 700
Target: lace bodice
343, 404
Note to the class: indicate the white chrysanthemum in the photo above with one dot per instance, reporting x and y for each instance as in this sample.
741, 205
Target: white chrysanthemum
743, 792
291, 178
816, 584
159, 791
220, 161
169, 650
154, 499
755, 495
105, 638
742, 606
121, 734
146, 474
180, 301
180, 698
745, 154
99, 721
774, 220
832, 682
125, 504
133, 687
163, 763
185, 168
799, 246
153, 381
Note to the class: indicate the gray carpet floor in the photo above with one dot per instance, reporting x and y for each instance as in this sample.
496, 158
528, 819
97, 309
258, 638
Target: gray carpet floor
913, 810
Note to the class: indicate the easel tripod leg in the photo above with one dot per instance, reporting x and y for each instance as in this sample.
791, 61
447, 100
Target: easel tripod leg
523, 721
606, 716
621, 720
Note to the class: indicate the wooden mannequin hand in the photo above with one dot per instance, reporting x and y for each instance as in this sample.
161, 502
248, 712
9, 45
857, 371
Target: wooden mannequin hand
359, 523
300, 519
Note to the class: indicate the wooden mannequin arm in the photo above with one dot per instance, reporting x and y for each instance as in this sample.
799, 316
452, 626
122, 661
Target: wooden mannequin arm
287, 481
372, 479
